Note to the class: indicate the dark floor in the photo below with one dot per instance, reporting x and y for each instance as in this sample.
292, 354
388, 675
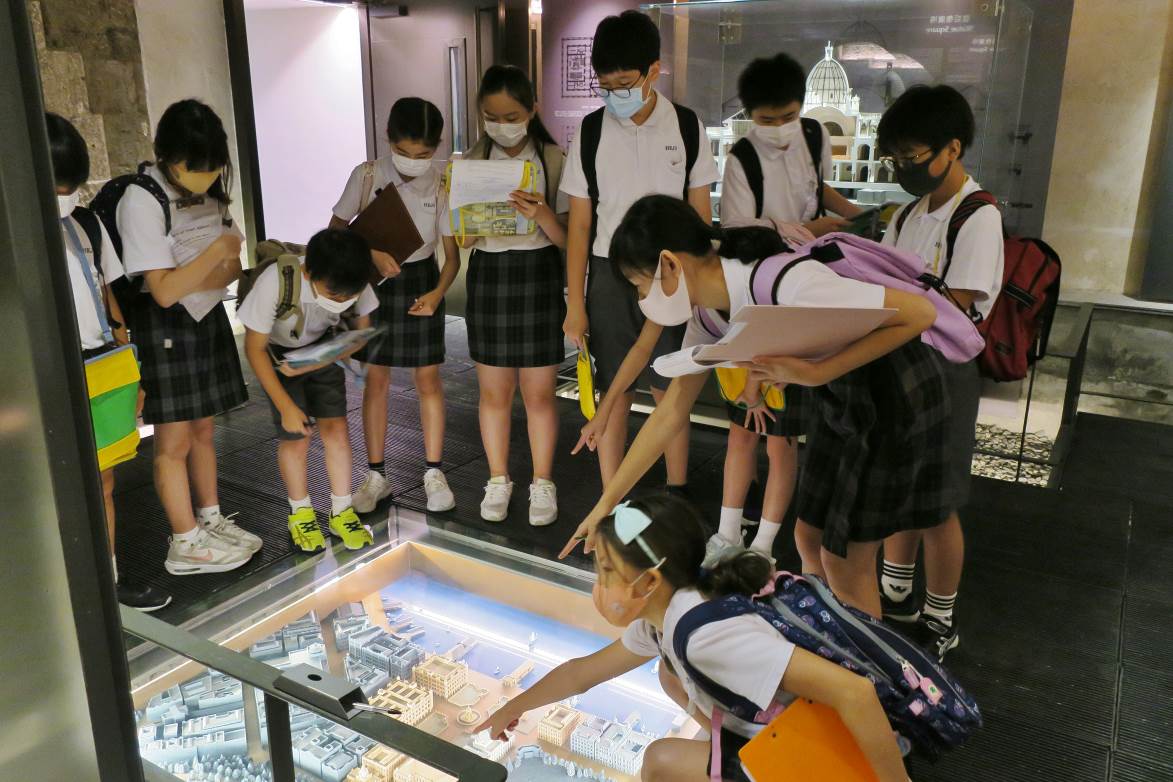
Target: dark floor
1065, 609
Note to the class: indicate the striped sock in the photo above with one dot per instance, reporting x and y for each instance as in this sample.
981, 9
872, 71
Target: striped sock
896, 580
940, 607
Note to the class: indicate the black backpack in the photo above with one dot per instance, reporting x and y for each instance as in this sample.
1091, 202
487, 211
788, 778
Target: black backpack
743, 150
592, 133
93, 229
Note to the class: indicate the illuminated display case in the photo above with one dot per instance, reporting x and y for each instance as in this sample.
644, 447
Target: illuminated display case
860, 55
441, 627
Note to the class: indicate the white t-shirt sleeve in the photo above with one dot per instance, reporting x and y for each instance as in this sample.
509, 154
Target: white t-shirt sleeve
978, 261
367, 302
704, 170
738, 207
826, 161
640, 639
574, 182
813, 284
143, 228
258, 311
111, 265
890, 237
348, 204
745, 655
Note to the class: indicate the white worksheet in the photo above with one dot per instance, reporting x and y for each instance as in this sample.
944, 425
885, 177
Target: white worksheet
483, 181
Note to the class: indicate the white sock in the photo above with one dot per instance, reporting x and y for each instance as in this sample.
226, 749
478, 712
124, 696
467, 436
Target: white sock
296, 505
187, 537
940, 606
208, 514
764, 540
339, 503
896, 580
730, 527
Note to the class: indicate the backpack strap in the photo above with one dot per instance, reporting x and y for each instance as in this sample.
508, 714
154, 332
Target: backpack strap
690, 134
149, 183
289, 291
751, 164
553, 160
707, 323
767, 274
589, 136
812, 132
970, 204
696, 618
90, 224
368, 184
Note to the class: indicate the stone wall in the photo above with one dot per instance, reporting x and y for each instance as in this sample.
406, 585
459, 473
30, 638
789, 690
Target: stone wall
92, 74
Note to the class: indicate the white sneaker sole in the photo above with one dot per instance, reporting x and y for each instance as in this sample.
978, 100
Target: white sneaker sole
442, 505
543, 522
494, 516
367, 507
148, 609
184, 569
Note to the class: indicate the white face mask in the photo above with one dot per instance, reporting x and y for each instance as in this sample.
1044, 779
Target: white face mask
412, 167
506, 134
780, 136
331, 306
663, 309
67, 203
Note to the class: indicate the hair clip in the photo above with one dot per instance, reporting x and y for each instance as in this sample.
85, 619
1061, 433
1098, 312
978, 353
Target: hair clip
629, 523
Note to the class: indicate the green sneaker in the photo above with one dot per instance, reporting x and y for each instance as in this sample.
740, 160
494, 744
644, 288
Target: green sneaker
307, 535
354, 534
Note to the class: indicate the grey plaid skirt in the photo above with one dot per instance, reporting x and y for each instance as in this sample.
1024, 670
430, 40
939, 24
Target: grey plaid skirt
410, 341
190, 369
515, 308
793, 421
876, 456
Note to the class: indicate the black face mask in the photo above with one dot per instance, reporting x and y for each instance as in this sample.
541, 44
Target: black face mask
917, 180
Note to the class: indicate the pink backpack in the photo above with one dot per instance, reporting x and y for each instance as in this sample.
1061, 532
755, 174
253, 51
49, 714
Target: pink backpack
953, 334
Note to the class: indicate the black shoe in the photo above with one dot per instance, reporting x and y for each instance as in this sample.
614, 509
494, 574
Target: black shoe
144, 597
903, 612
936, 636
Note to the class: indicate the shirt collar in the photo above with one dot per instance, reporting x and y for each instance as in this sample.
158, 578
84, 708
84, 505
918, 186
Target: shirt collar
945, 211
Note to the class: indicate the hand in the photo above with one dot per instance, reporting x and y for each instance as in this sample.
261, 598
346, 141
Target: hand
529, 205
783, 370
387, 266
591, 433
575, 325
293, 420
756, 419
585, 534
505, 718
121, 336
826, 224
793, 233
228, 246
426, 305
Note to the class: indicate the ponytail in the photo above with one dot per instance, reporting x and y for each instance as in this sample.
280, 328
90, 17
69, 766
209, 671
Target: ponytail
742, 574
750, 244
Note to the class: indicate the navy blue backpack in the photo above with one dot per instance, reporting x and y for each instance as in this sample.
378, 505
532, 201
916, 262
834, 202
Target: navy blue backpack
924, 703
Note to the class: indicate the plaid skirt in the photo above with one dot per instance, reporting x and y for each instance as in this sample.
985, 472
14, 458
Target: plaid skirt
877, 454
515, 308
793, 421
410, 341
190, 370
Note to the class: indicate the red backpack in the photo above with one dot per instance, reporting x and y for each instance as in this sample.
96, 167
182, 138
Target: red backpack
1019, 324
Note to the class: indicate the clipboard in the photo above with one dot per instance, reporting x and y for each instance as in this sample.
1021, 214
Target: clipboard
807, 741
492, 218
388, 227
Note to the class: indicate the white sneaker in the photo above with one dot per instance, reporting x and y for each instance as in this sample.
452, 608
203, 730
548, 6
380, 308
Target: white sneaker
543, 503
718, 549
495, 506
206, 553
374, 489
224, 527
439, 495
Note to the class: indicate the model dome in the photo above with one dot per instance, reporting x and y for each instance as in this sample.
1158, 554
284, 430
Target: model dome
827, 84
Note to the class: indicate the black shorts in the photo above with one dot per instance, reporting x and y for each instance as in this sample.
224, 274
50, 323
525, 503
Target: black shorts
965, 393
319, 394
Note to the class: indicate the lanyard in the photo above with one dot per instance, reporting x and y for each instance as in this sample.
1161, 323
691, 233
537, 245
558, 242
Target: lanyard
99, 307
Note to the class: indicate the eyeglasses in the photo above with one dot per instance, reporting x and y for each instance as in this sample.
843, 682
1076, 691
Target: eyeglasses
619, 92
892, 163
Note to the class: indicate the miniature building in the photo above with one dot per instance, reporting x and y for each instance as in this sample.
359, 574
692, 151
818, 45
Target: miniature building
441, 675
831, 101
378, 765
559, 722
613, 744
386, 652
413, 702
488, 747
414, 771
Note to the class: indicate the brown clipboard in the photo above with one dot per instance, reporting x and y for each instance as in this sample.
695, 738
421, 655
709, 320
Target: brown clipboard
387, 226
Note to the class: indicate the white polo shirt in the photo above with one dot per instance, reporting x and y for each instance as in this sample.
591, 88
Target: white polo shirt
421, 196
745, 655
634, 161
89, 327
789, 184
977, 253
258, 311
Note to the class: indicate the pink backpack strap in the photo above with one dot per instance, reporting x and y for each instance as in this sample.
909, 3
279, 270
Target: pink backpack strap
715, 745
767, 274
708, 323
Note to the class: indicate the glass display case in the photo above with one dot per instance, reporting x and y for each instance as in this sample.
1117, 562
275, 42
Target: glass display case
860, 56
442, 628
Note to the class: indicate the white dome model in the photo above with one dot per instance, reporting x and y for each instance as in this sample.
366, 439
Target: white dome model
827, 85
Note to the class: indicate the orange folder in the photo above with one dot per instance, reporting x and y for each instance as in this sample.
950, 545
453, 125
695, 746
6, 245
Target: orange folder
806, 743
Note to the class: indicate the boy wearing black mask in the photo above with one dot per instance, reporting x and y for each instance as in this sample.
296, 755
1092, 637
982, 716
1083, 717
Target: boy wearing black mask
924, 136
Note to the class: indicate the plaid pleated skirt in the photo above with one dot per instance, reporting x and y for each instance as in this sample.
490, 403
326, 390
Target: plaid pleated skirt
190, 370
410, 341
516, 308
876, 456
793, 421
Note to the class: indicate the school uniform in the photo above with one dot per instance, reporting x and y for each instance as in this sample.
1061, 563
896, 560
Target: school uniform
743, 654
632, 161
977, 265
876, 446
88, 283
321, 393
515, 306
190, 366
411, 340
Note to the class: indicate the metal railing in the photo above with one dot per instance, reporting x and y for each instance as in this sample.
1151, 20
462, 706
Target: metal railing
318, 692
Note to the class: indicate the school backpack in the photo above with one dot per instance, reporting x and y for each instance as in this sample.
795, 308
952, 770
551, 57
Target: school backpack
591, 133
287, 257
953, 334
751, 164
93, 230
1018, 327
923, 701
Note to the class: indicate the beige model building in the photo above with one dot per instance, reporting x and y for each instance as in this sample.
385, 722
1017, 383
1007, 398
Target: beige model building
413, 702
441, 675
414, 771
378, 765
559, 722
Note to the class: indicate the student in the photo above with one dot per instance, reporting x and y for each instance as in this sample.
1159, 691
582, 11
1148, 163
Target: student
93, 265
335, 272
877, 442
926, 133
642, 148
190, 367
411, 297
648, 558
515, 305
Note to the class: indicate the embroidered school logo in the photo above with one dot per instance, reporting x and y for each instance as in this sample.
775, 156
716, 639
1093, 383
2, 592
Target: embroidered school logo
671, 148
